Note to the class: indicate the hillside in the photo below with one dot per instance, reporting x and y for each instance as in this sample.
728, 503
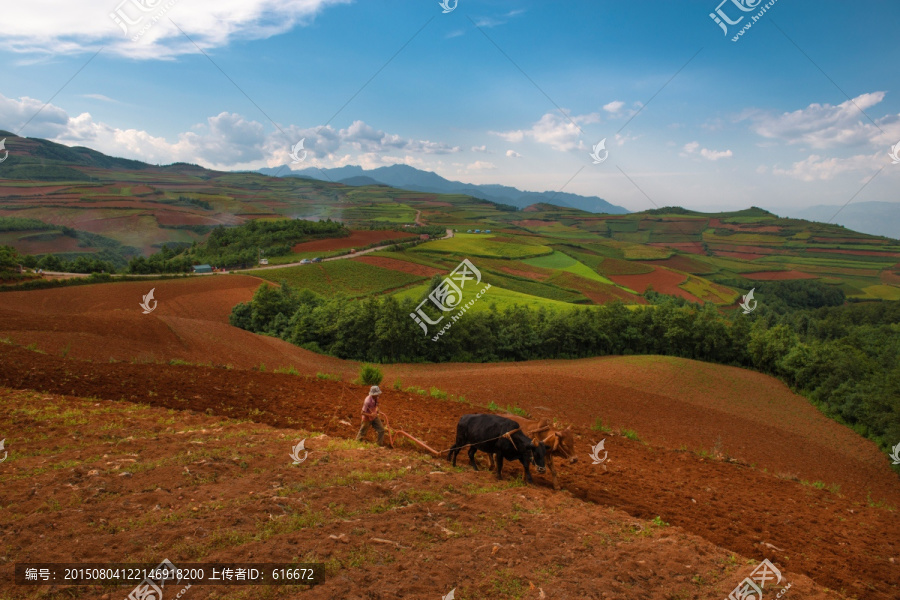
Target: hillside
393, 523
543, 254
201, 469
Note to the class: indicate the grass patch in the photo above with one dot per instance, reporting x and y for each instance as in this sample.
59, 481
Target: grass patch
631, 434
599, 426
515, 410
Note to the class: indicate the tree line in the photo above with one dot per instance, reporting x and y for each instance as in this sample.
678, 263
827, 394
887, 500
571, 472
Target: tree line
845, 358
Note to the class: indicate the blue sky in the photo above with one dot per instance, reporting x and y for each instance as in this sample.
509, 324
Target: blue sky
771, 120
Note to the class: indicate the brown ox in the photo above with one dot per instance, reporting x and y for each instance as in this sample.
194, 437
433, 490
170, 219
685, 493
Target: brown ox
559, 442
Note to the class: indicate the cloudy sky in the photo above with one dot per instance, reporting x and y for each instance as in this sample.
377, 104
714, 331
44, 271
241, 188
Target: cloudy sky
802, 110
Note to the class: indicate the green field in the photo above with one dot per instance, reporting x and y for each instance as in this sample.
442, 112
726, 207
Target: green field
564, 262
463, 244
346, 276
499, 297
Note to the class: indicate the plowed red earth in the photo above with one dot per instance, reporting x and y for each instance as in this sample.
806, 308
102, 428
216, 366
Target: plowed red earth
890, 277
190, 323
690, 247
595, 291
843, 540
399, 265
541, 275
662, 280
356, 239
779, 275
142, 483
836, 540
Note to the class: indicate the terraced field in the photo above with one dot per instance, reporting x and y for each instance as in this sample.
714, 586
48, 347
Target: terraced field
349, 277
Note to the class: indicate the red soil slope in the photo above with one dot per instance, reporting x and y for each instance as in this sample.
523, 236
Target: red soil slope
399, 265
356, 239
191, 496
663, 281
836, 540
190, 322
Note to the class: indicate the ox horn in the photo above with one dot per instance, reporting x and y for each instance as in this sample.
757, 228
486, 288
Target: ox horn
554, 444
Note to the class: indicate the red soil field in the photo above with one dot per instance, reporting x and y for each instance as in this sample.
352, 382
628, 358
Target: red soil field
838, 540
662, 280
399, 265
356, 239
689, 247
37, 190
61, 243
536, 275
220, 495
890, 277
105, 322
855, 252
778, 275
595, 291
681, 263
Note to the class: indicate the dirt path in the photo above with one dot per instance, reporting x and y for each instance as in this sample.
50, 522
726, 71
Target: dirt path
837, 541
341, 257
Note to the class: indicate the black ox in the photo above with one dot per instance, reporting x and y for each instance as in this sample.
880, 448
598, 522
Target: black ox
498, 436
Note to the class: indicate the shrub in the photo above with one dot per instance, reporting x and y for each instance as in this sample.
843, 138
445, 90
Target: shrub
369, 375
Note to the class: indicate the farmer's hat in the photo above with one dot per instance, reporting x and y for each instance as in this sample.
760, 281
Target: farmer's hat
375, 391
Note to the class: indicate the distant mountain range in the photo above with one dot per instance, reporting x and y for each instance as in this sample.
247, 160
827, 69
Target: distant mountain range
874, 218
410, 178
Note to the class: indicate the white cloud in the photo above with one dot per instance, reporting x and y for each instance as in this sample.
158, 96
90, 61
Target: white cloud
614, 107
51, 27
480, 165
513, 154
224, 141
715, 154
823, 126
553, 130
821, 168
481, 149
691, 148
